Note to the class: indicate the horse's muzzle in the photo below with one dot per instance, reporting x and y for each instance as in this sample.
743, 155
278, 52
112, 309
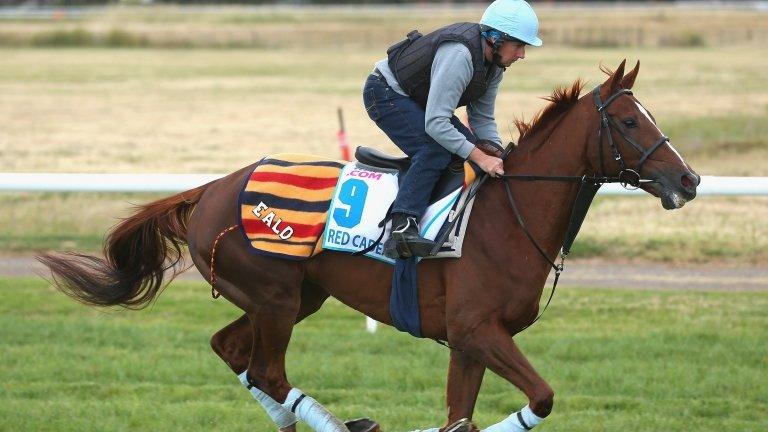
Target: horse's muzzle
674, 189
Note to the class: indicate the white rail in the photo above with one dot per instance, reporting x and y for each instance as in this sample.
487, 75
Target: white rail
159, 183
710, 185
48, 182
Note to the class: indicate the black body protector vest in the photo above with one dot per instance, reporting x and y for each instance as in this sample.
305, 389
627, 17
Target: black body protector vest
411, 61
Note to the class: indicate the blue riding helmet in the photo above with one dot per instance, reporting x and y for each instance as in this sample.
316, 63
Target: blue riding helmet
513, 19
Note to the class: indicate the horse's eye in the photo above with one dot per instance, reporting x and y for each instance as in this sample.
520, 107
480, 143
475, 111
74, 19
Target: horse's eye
630, 123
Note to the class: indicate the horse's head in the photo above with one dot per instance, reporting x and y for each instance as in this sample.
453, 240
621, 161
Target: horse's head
632, 147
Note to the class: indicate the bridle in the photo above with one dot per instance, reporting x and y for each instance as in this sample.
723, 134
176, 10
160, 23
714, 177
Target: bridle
628, 178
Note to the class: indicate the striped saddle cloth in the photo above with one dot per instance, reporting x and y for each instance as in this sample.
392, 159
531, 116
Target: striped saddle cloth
284, 204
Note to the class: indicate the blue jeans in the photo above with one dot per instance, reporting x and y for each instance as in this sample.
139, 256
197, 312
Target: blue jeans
402, 119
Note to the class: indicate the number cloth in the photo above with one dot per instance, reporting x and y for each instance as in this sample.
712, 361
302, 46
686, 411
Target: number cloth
361, 201
284, 204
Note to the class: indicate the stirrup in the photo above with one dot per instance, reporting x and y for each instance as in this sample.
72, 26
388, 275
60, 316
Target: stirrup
397, 247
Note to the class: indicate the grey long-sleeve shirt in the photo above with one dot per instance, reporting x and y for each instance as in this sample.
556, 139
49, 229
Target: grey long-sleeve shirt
451, 73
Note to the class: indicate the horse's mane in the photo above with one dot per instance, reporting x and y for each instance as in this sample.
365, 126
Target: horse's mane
562, 99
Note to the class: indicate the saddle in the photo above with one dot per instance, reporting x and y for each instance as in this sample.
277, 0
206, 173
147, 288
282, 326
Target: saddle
452, 178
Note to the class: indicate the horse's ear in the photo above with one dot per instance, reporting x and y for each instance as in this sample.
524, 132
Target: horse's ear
615, 80
629, 79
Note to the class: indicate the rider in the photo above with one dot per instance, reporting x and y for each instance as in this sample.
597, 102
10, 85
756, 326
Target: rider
413, 93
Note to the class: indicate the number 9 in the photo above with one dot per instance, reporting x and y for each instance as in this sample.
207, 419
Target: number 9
352, 193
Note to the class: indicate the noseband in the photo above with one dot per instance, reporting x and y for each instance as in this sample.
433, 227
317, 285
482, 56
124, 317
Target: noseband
629, 178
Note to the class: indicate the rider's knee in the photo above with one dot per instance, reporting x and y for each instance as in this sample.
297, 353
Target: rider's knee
441, 156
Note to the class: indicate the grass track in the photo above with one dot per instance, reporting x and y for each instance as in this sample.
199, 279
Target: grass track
618, 360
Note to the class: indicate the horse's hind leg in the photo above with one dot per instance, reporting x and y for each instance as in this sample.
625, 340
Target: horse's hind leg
272, 307
234, 342
272, 327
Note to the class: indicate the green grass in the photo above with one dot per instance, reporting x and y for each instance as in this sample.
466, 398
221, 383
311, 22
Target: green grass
618, 360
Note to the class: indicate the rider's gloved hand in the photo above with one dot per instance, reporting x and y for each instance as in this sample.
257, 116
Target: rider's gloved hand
490, 164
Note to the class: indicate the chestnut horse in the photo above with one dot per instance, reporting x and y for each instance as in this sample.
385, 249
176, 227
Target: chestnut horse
476, 303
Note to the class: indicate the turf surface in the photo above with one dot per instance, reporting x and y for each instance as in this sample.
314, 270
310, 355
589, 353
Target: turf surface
617, 359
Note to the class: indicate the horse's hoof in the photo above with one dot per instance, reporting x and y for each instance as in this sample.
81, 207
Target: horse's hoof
362, 425
463, 425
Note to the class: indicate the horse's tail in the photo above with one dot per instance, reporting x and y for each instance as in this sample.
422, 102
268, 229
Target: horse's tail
138, 251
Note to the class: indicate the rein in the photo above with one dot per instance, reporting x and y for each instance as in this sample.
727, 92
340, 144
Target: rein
628, 178
589, 185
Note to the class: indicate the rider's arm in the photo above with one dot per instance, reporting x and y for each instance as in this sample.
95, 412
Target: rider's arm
480, 112
451, 73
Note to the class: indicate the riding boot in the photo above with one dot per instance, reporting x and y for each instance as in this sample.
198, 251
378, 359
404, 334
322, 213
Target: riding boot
404, 240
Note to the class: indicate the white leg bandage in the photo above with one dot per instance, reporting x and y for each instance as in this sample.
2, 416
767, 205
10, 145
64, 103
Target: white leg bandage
281, 416
312, 413
521, 421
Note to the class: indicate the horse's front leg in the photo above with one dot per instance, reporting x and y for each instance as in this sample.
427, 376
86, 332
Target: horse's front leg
465, 375
491, 344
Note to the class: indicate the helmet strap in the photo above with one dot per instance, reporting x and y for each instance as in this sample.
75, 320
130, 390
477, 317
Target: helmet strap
497, 61
496, 58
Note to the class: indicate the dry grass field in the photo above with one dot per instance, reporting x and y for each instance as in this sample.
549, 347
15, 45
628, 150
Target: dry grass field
147, 110
366, 27
215, 110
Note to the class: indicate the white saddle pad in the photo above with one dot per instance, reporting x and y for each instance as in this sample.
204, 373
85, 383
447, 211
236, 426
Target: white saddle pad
360, 202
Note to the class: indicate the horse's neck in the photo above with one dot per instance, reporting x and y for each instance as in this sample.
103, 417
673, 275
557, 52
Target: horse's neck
560, 150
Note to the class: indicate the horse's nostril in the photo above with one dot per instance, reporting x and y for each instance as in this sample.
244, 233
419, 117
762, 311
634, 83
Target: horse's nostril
688, 182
